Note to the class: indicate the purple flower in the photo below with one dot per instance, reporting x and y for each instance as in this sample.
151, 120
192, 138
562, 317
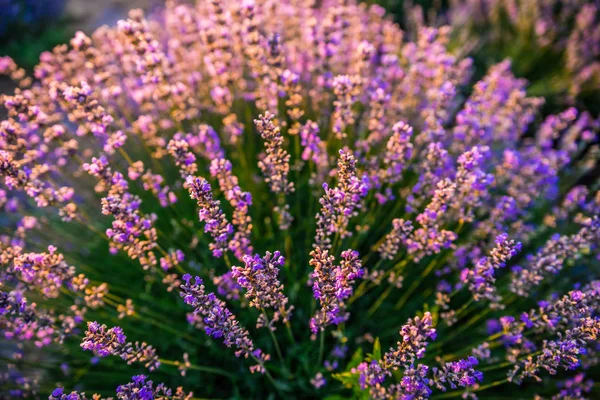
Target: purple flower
104, 342
332, 285
415, 335
260, 278
341, 202
219, 322
275, 165
211, 214
240, 201
481, 280
458, 373
552, 256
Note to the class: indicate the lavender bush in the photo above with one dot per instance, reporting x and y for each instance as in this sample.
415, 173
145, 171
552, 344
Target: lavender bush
288, 199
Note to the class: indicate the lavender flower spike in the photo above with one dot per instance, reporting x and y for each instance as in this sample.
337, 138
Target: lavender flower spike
332, 285
551, 258
481, 279
340, 203
398, 152
104, 342
210, 213
276, 163
414, 335
259, 277
458, 373
219, 322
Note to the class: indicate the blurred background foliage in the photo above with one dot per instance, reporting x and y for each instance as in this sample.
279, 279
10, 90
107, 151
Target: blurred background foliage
532, 34
29, 27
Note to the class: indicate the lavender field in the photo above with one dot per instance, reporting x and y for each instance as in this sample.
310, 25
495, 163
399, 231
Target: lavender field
286, 199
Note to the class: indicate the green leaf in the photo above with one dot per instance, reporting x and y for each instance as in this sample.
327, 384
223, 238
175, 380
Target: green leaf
356, 359
349, 379
376, 350
335, 397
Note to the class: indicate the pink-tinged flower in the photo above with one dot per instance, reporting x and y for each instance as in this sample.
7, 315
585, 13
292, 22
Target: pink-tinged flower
341, 202
332, 286
457, 373
138, 389
430, 238
398, 152
275, 165
240, 244
346, 89
415, 335
21, 320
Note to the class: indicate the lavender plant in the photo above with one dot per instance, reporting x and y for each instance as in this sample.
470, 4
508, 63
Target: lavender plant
256, 199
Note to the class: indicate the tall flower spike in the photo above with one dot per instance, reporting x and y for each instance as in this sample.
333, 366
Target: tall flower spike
240, 201
457, 373
332, 286
481, 280
415, 335
434, 164
398, 152
565, 352
185, 159
130, 231
471, 183
415, 382
346, 89
219, 322
401, 230
104, 342
315, 149
260, 278
211, 214
340, 203
551, 258
430, 238
275, 165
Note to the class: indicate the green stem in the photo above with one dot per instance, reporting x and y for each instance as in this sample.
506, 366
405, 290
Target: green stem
415, 285
321, 348
479, 389
290, 333
463, 308
379, 301
275, 342
210, 370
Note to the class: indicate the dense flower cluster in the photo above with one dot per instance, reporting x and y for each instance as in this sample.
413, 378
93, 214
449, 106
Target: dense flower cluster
404, 188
